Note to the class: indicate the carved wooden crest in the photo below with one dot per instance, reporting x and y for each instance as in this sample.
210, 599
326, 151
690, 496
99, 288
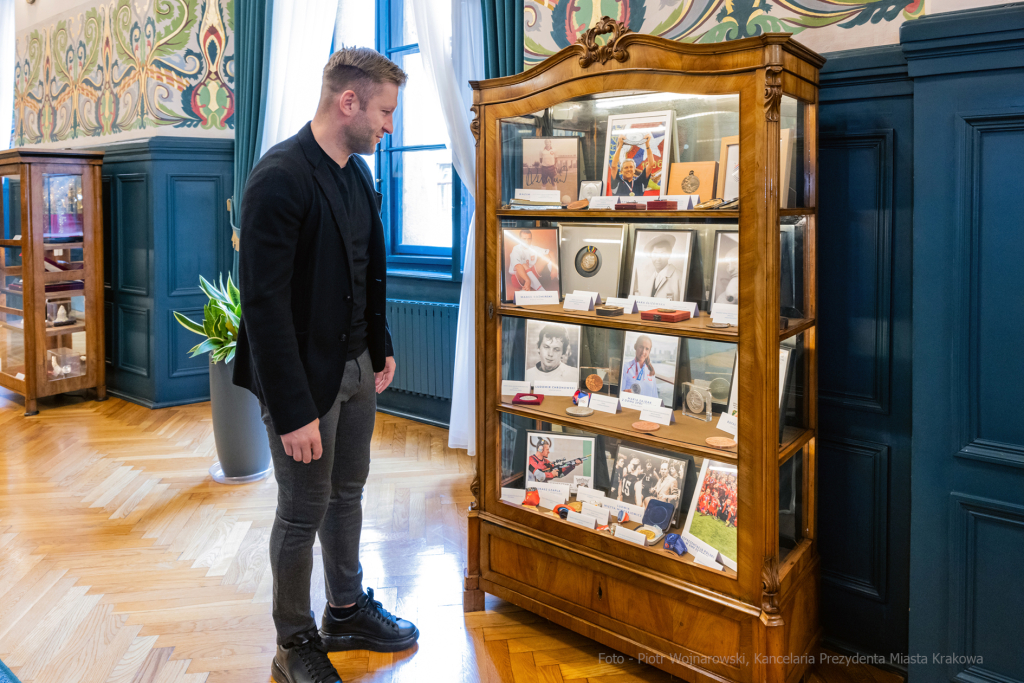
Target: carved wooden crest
772, 92
610, 50
770, 583
474, 488
474, 125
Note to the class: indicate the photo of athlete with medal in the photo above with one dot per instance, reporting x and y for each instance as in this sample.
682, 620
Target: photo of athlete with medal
649, 368
637, 152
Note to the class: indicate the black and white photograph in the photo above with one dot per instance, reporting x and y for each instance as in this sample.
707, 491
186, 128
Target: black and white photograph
552, 352
552, 164
560, 458
725, 283
591, 257
649, 366
661, 263
639, 476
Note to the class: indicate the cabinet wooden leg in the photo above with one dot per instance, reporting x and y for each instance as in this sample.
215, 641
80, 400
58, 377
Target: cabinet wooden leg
101, 392
472, 596
30, 407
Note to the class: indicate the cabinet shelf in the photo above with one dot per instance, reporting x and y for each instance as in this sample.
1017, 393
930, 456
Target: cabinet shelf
612, 215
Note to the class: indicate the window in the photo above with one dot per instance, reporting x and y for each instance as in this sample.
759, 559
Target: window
424, 208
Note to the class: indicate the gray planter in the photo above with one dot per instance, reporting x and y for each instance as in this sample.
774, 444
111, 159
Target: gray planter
243, 450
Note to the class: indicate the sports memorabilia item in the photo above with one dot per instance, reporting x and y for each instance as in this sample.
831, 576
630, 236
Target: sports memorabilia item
607, 311
674, 542
646, 426
662, 205
579, 411
696, 401
528, 399
594, 382
720, 442
580, 394
559, 458
665, 315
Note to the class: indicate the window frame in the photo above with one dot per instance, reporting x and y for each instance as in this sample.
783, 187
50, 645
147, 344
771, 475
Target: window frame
411, 261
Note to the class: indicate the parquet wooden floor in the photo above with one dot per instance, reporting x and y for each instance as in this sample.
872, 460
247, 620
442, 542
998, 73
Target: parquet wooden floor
122, 562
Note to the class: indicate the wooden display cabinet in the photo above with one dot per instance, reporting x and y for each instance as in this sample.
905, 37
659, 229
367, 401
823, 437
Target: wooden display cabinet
51, 267
749, 610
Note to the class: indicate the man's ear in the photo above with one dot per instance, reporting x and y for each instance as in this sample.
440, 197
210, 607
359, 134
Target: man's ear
348, 102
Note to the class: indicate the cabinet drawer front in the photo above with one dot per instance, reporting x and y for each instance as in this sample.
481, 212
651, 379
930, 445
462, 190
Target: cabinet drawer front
699, 632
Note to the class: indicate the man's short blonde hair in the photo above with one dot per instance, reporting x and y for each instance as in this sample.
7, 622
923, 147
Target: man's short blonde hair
361, 70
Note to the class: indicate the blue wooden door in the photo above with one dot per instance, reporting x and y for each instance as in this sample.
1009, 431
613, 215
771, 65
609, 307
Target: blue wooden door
967, 521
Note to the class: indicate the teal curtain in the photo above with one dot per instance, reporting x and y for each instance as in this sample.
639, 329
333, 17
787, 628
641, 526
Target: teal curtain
252, 70
503, 37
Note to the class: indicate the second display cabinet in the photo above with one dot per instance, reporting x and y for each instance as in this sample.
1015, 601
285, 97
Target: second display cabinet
691, 543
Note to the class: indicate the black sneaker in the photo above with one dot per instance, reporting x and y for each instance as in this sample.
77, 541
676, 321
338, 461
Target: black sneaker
371, 627
303, 659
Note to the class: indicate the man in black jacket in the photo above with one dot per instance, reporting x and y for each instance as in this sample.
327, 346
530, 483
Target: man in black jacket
315, 348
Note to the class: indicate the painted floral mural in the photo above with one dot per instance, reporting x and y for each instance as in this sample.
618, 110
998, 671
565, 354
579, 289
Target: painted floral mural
554, 24
124, 66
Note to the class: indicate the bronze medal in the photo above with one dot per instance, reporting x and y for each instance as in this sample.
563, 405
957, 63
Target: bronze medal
720, 442
645, 426
690, 183
594, 383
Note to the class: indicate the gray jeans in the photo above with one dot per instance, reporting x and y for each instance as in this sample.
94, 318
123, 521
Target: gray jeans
323, 496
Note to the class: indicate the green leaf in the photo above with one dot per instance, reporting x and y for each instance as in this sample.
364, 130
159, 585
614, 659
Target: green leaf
208, 345
211, 290
233, 294
230, 314
189, 325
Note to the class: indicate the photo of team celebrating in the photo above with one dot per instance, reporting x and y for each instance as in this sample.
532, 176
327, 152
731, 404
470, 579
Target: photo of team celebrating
639, 476
712, 519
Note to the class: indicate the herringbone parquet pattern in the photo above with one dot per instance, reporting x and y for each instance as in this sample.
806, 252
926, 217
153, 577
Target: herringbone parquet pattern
122, 562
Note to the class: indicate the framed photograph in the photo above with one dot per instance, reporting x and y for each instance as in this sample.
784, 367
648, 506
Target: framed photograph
553, 163
560, 458
729, 168
637, 154
649, 364
725, 281
661, 263
787, 168
601, 355
591, 257
529, 261
709, 364
590, 189
552, 352
712, 518
638, 476
694, 177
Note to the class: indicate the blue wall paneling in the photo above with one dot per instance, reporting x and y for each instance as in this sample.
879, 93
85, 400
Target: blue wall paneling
967, 522
864, 364
165, 223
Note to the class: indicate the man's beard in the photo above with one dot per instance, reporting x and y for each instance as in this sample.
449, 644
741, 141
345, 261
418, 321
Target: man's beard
360, 138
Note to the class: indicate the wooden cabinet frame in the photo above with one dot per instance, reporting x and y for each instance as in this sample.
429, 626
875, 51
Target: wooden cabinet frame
30, 166
687, 614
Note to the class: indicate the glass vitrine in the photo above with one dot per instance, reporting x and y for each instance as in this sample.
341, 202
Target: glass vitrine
51, 331
647, 383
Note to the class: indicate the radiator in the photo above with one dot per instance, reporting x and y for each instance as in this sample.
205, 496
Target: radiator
423, 335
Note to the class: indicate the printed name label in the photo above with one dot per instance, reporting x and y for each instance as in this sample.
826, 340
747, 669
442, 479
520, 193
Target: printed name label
536, 298
512, 387
638, 401
605, 404
659, 414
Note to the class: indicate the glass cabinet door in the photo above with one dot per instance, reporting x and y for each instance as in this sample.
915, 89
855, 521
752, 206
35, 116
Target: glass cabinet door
12, 313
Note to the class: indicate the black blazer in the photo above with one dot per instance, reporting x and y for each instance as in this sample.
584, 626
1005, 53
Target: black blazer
295, 277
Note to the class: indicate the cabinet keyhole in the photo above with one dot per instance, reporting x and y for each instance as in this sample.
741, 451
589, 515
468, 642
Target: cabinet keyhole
599, 593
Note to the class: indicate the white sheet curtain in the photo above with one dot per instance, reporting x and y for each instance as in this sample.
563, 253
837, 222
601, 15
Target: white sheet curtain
6, 72
300, 43
451, 42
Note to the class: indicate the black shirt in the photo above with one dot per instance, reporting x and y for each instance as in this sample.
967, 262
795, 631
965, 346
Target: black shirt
630, 188
357, 238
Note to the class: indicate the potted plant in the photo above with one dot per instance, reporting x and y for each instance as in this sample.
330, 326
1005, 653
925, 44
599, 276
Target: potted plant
242, 448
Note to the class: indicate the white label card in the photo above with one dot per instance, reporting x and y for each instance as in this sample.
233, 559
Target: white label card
630, 535
561, 490
638, 401
603, 202
646, 303
728, 424
539, 195
585, 494
514, 496
584, 401
725, 313
20, 375
659, 414
635, 512
628, 305
554, 388
536, 298
510, 387
606, 404
578, 302
702, 552
582, 520
595, 297
549, 501
687, 306
595, 511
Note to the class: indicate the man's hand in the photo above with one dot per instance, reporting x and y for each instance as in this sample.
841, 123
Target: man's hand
304, 443
383, 378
